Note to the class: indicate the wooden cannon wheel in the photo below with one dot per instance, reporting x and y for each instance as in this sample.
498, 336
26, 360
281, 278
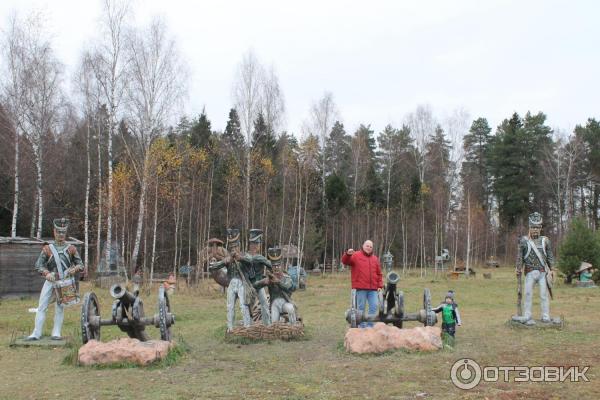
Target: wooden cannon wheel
89, 309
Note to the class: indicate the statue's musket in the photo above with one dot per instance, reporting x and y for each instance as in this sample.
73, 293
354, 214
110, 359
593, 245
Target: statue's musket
520, 291
548, 283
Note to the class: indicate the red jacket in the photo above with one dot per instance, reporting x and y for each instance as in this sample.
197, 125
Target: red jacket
365, 270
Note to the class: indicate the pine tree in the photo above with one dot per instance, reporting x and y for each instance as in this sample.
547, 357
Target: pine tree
514, 157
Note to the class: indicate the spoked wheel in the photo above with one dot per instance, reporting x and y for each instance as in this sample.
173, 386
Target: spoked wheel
90, 318
256, 309
165, 317
430, 318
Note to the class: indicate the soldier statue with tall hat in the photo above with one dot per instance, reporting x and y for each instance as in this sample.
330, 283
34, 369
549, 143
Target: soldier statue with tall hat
239, 284
536, 261
280, 286
58, 263
258, 266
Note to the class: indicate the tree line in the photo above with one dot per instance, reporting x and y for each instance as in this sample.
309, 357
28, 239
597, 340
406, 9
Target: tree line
110, 156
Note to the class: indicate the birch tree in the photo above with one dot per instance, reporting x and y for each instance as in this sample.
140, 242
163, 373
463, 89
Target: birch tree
42, 98
13, 92
422, 125
90, 104
109, 69
155, 90
247, 97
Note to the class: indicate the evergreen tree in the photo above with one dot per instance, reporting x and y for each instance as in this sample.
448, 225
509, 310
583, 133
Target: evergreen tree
263, 139
232, 136
200, 132
337, 193
590, 134
338, 153
474, 169
514, 157
369, 188
580, 244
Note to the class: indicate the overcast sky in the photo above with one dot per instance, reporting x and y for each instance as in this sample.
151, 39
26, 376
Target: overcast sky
380, 59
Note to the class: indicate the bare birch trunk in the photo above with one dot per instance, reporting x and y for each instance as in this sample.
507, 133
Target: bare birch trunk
177, 224
110, 190
38, 164
248, 169
210, 195
141, 217
34, 215
86, 257
13, 226
282, 208
154, 233
99, 222
189, 262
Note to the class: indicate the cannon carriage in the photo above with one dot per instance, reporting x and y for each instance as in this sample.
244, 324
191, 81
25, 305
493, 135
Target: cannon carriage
391, 307
127, 313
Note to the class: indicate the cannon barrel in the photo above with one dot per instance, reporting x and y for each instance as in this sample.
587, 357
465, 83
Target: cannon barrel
119, 292
392, 277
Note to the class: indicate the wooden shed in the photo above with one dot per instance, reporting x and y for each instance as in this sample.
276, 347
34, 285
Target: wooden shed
18, 276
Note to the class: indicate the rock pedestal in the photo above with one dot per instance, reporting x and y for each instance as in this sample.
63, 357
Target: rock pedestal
124, 350
384, 337
556, 323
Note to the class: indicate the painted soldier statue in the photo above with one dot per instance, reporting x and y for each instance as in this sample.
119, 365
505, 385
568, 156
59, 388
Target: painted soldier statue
257, 268
57, 261
535, 260
280, 286
239, 285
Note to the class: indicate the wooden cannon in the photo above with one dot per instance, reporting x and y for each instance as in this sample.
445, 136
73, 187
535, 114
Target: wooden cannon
127, 314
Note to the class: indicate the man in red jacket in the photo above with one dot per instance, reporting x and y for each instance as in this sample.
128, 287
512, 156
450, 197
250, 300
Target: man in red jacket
366, 277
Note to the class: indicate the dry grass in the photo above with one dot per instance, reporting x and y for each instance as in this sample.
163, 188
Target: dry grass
316, 368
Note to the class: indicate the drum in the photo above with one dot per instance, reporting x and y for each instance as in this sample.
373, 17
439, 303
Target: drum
66, 292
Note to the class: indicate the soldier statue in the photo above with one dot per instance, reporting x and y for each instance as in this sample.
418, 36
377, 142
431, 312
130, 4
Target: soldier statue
280, 286
258, 265
534, 255
239, 284
57, 261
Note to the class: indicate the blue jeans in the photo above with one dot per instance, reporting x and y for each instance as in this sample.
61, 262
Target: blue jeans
369, 296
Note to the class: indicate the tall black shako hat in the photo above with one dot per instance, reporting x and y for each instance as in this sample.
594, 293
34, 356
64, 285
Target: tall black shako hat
61, 225
233, 238
535, 220
274, 255
255, 236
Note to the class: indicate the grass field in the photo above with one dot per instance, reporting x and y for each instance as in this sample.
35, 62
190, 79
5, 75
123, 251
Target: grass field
318, 367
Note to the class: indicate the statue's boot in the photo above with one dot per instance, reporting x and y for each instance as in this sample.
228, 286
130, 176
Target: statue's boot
530, 322
520, 318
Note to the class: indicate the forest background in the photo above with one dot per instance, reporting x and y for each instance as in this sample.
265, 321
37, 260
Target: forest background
109, 154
